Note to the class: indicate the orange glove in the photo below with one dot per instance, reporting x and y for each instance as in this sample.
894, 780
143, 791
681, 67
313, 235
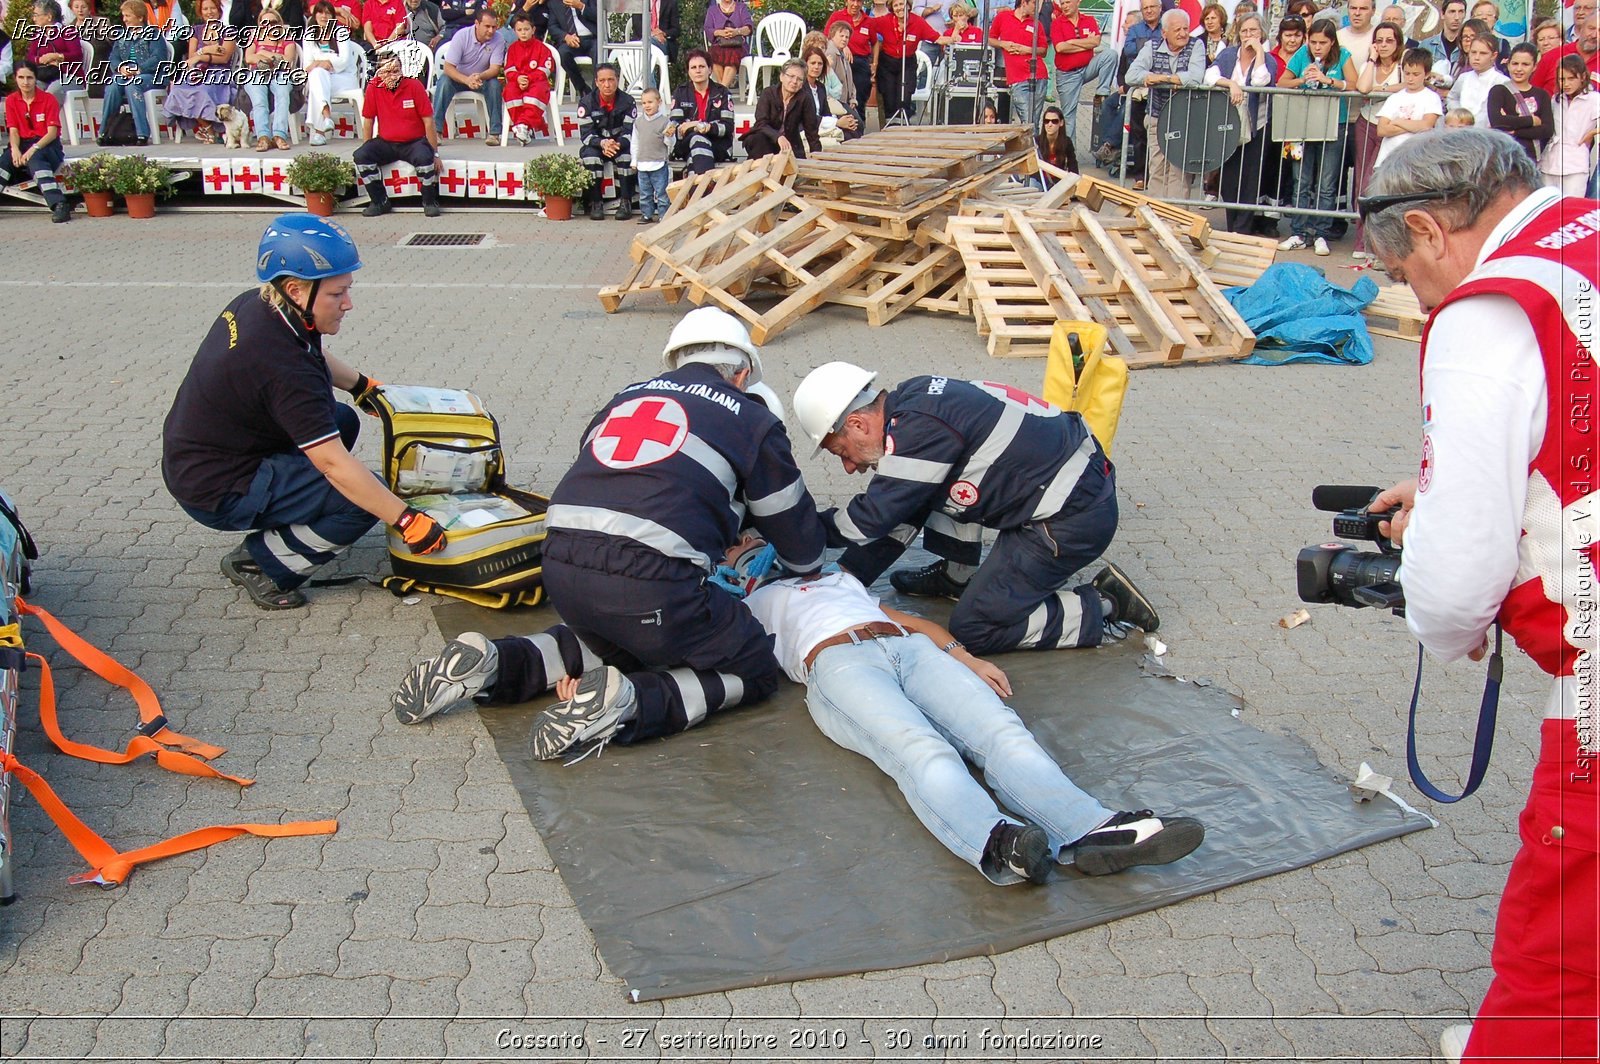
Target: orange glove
421, 533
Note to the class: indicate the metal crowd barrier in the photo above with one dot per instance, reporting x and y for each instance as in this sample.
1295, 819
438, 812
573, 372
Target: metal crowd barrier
1306, 159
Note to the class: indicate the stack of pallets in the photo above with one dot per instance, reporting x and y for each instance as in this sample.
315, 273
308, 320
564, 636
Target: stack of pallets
934, 218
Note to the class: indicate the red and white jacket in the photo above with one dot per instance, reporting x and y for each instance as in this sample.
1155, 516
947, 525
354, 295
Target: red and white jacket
1550, 268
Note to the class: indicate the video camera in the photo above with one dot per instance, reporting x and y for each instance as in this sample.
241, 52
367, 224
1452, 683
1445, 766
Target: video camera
1339, 573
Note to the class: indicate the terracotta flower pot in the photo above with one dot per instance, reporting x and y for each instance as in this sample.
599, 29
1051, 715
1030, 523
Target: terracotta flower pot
558, 208
141, 204
98, 204
320, 203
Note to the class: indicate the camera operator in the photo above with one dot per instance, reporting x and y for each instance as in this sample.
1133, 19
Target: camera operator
1500, 524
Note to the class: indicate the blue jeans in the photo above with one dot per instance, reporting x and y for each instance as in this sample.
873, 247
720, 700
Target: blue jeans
299, 519
1316, 187
1069, 86
1102, 71
653, 191
446, 88
130, 91
916, 713
278, 124
1027, 100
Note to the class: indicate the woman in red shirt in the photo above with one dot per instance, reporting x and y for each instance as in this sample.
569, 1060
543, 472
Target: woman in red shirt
33, 129
895, 57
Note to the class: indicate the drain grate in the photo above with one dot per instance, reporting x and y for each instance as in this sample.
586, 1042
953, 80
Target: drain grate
444, 240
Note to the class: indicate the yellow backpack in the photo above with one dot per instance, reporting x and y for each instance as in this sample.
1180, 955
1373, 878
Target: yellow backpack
442, 454
1080, 376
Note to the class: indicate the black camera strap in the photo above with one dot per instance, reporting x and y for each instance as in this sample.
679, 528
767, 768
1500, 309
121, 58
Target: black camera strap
1482, 745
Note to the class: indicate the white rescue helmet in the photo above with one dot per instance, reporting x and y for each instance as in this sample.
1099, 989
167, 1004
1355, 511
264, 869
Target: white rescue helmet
769, 399
726, 342
828, 395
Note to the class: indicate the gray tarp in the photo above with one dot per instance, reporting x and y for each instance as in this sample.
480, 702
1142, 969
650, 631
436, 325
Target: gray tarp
752, 850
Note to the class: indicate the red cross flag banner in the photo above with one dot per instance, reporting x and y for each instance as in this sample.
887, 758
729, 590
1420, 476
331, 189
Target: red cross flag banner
247, 176
217, 178
275, 176
453, 178
480, 180
508, 184
401, 180
641, 432
1030, 404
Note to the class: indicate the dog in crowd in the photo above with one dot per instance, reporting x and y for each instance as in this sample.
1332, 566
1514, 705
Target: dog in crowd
235, 126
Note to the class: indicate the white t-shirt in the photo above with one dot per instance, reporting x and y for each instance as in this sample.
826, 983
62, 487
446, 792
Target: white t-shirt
799, 614
1357, 44
1471, 91
1406, 106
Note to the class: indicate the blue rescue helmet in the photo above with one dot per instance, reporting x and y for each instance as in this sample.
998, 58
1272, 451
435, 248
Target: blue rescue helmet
305, 246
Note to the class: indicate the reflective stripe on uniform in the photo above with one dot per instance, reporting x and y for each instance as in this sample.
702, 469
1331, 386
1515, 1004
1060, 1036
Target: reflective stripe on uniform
778, 501
994, 445
692, 693
613, 523
916, 469
1066, 478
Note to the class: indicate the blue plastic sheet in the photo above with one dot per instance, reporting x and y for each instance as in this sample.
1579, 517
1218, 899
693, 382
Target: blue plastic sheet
1298, 315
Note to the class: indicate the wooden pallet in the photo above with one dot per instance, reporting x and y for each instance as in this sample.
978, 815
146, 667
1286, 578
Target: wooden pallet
901, 276
903, 167
1011, 309
1097, 193
1398, 304
1236, 259
692, 203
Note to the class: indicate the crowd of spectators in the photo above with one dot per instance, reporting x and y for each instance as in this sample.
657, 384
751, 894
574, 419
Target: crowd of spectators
1051, 64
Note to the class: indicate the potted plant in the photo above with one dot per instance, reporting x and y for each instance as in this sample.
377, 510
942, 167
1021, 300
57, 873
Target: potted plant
558, 179
138, 180
92, 177
321, 177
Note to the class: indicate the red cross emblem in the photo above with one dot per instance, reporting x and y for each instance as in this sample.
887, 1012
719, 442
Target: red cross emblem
482, 181
218, 178
964, 493
569, 128
468, 129
397, 182
345, 127
511, 184
641, 432
743, 127
451, 181
275, 178
247, 178
1030, 403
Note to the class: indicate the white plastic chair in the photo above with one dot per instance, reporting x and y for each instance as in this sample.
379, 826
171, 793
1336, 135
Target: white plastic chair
76, 98
354, 98
631, 66
561, 77
923, 95
154, 98
479, 102
777, 40
416, 61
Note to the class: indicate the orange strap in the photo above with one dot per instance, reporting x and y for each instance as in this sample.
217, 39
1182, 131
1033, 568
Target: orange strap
153, 723
109, 868
138, 746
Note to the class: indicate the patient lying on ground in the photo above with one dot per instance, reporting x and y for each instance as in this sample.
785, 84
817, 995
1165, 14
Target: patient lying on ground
900, 690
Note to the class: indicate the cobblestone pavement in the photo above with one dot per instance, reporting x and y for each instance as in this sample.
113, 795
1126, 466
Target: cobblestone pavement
433, 924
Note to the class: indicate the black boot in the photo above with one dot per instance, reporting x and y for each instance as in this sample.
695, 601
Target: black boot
624, 198
61, 211
430, 201
594, 199
379, 197
931, 581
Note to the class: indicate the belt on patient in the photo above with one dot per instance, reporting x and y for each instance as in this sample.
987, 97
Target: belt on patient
870, 630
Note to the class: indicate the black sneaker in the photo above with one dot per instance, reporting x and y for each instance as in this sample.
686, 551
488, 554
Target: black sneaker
377, 207
931, 581
590, 718
61, 212
448, 680
1128, 602
1021, 848
1137, 838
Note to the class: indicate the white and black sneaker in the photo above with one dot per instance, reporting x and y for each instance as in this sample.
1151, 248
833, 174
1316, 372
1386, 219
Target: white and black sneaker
1137, 838
604, 701
464, 668
1021, 848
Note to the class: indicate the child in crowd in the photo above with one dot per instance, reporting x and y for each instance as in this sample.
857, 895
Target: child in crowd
1413, 109
1567, 157
650, 149
529, 67
1459, 118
